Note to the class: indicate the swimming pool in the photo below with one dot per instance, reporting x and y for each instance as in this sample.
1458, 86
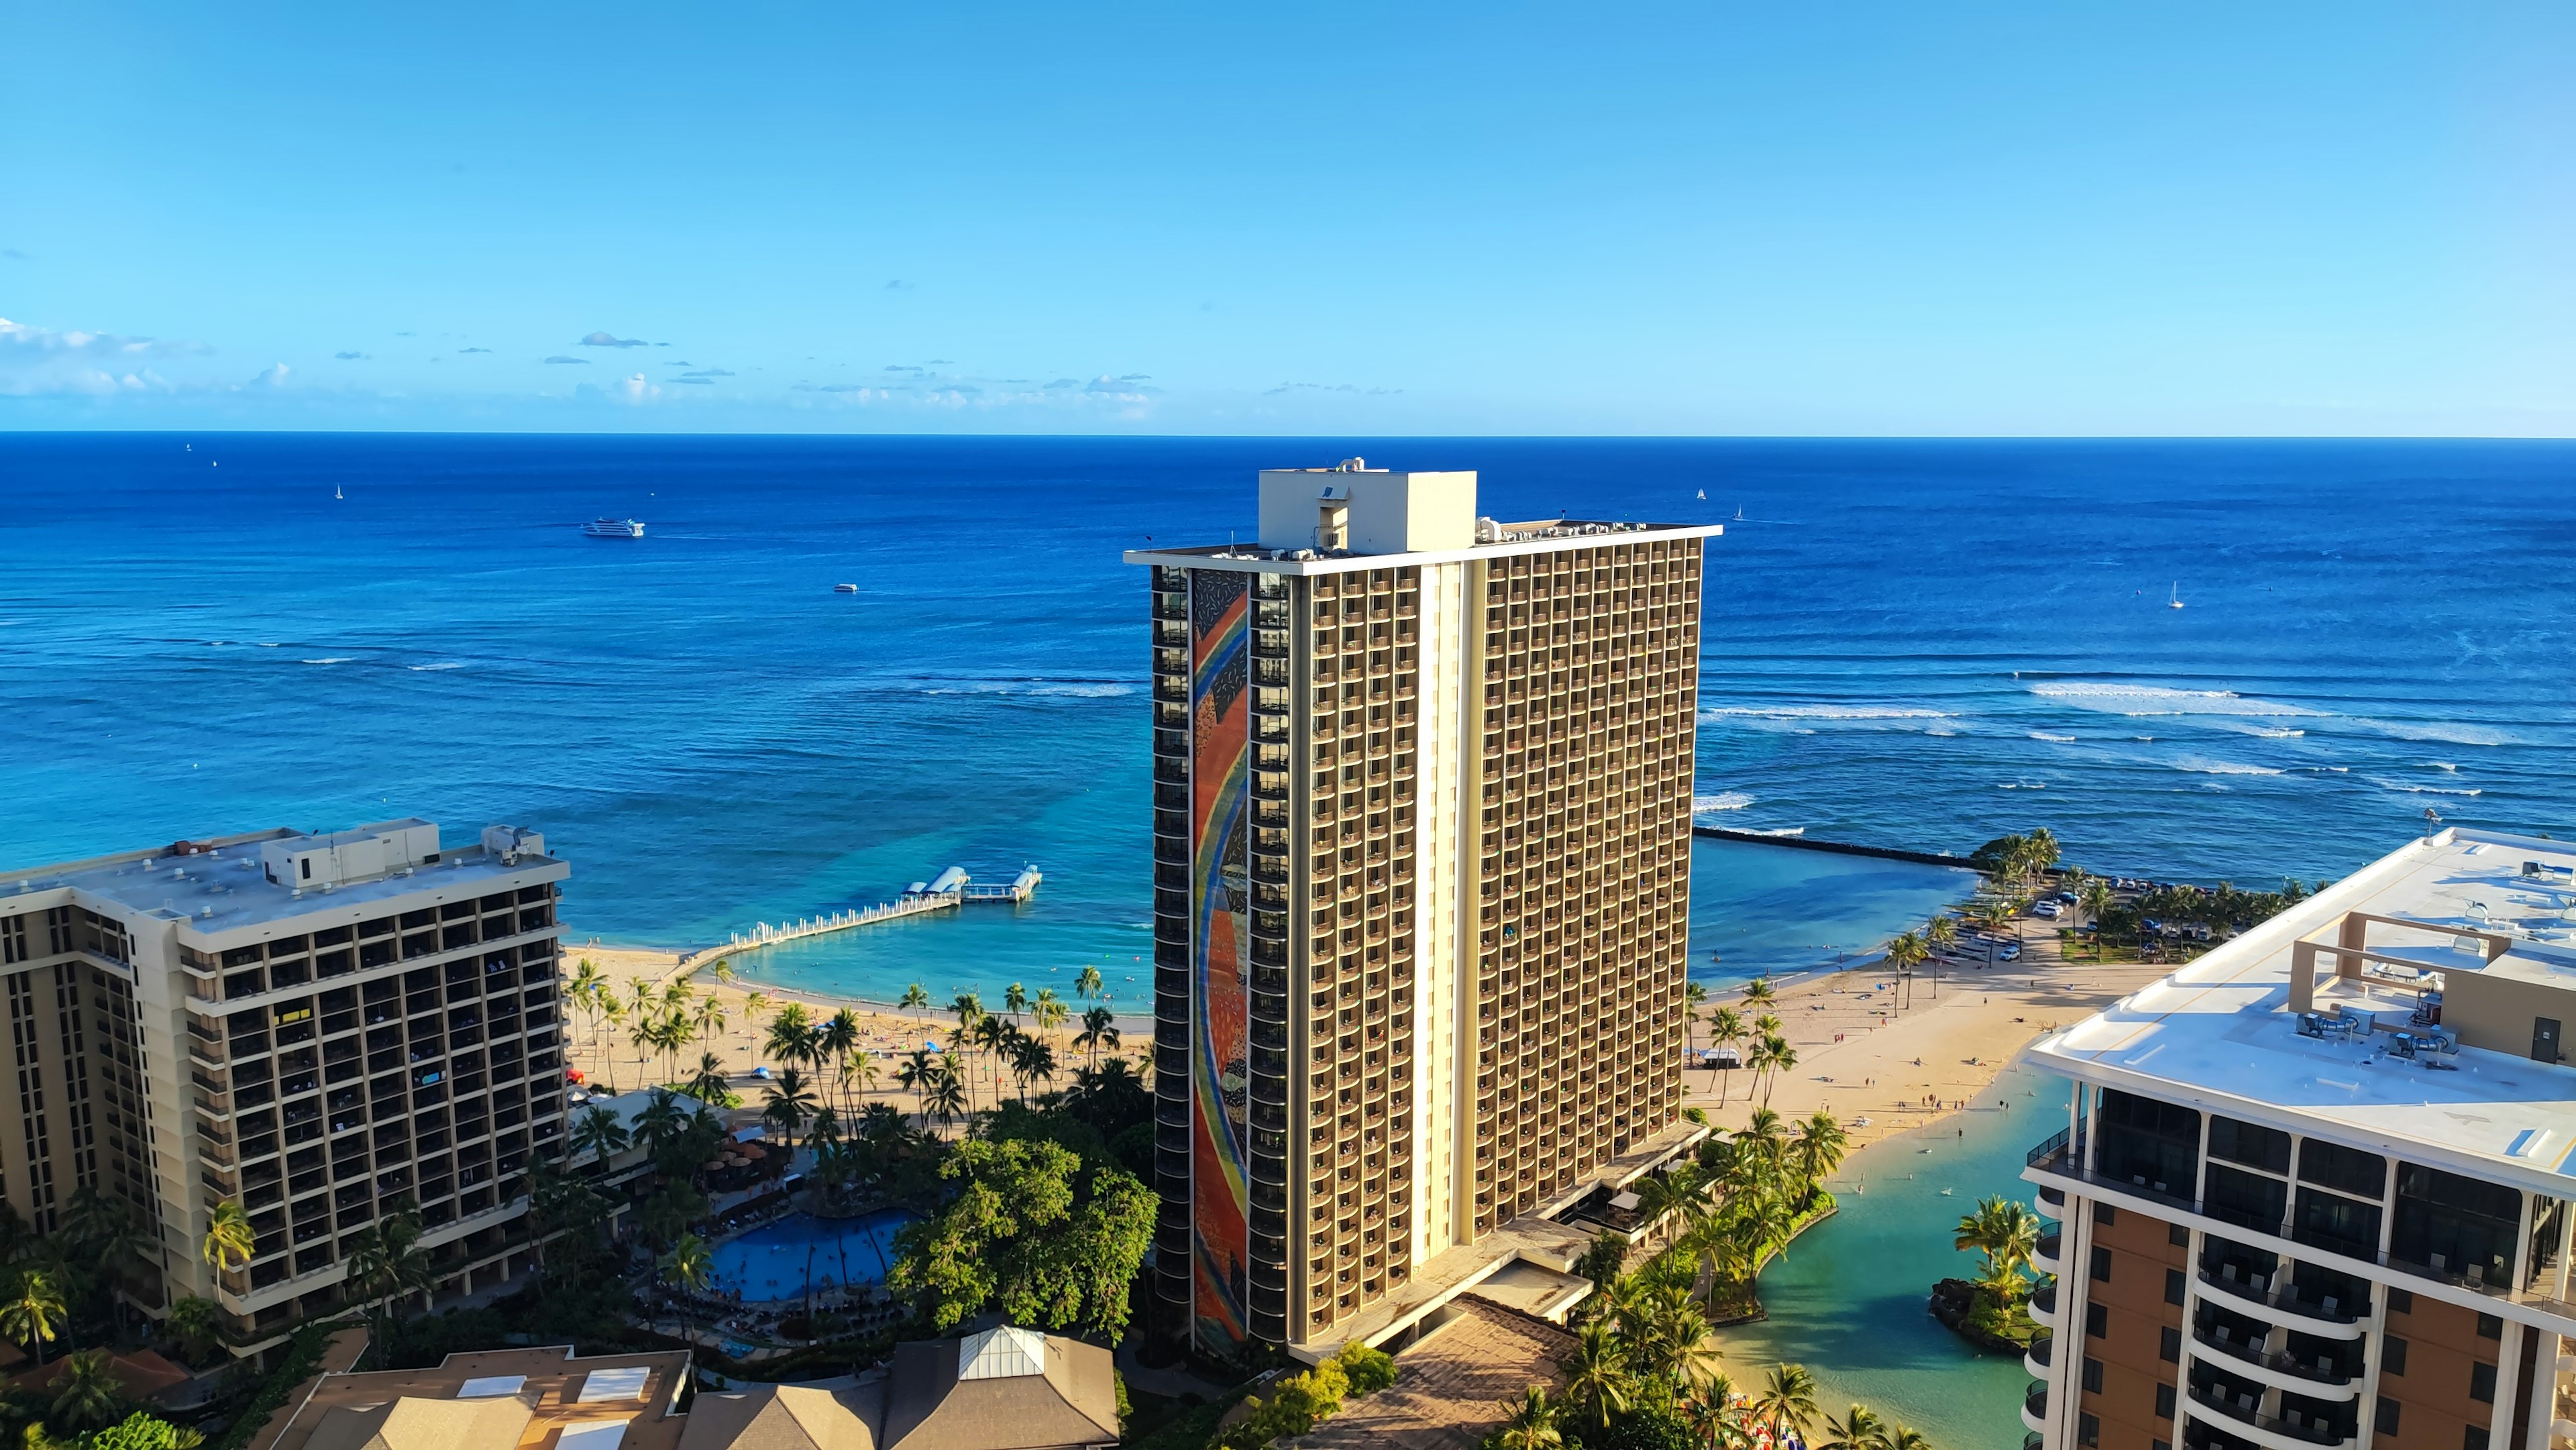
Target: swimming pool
775, 1261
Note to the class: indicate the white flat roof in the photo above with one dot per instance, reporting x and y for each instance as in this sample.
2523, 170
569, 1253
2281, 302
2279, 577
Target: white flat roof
1539, 537
2217, 1034
615, 1384
223, 889
490, 1386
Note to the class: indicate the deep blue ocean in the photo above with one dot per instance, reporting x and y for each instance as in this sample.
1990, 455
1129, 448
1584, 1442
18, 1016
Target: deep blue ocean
1920, 644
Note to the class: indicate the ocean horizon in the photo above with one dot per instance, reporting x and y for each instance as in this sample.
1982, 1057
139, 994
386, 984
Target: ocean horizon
1912, 644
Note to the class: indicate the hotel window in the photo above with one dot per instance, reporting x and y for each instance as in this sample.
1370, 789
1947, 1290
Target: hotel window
2097, 1322
2169, 1345
2173, 1286
2101, 1263
2088, 1430
2385, 1422
2164, 1402
2092, 1375
2482, 1378
2474, 1438
2392, 1352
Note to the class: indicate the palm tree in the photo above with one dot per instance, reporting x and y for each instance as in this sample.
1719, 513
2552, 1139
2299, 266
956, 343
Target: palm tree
791, 1035
834, 1041
1087, 984
597, 1132
755, 1005
1032, 1060
386, 1266
1905, 1437
945, 1098
710, 1083
1860, 1429
914, 998
613, 1012
1596, 1374
688, 1265
192, 1322
2096, 900
1663, 1194
1048, 1010
1530, 1422
1783, 1057
1941, 933
994, 1037
1725, 1029
1905, 952
789, 1104
1788, 1400
709, 1019
860, 1067
1099, 1029
33, 1314
87, 1394
1816, 1152
1757, 993
229, 1239
1015, 1000
2002, 1229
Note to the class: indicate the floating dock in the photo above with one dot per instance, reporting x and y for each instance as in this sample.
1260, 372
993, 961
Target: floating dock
949, 889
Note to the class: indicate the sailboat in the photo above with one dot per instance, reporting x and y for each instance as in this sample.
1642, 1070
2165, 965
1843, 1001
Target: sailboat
2174, 600
1739, 516
1703, 493
336, 493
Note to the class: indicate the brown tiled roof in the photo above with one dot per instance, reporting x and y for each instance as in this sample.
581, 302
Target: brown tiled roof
928, 1408
781, 1417
1451, 1384
417, 1424
548, 1401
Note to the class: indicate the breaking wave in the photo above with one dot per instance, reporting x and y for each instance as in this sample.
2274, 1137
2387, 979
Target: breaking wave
1725, 800
2140, 700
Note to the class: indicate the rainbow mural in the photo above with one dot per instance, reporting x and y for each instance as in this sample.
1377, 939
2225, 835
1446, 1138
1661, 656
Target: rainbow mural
1220, 1005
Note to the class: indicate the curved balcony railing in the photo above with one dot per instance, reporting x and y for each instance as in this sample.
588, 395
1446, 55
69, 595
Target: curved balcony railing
2288, 1301
2323, 1371
2305, 1434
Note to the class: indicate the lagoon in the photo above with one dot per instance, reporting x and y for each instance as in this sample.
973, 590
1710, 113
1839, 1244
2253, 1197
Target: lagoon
1847, 1300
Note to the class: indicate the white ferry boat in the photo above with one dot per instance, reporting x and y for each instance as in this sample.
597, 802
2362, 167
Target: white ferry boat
614, 528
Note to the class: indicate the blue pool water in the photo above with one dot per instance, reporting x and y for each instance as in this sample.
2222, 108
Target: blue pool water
1919, 644
775, 1261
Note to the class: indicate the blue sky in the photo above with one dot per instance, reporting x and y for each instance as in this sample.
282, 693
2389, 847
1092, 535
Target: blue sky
1706, 218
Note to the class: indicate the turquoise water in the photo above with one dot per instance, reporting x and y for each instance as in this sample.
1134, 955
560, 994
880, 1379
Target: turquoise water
775, 1262
1905, 643
1848, 1299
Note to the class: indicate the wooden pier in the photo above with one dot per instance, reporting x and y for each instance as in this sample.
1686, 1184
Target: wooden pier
951, 888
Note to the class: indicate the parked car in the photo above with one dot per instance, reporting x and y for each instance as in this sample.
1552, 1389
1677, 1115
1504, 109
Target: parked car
2011, 951
2048, 909
2069, 897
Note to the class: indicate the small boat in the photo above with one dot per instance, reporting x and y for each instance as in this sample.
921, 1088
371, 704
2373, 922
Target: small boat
336, 493
614, 529
845, 589
2174, 600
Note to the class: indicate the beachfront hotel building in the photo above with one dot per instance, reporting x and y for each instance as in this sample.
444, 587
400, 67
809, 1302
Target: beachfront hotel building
1422, 787
319, 1027
2314, 1186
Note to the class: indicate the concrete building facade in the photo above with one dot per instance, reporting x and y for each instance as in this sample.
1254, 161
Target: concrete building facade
319, 1028
1422, 787
2313, 1189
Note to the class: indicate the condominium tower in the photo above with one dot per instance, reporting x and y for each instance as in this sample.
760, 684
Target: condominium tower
319, 1027
2314, 1186
1422, 788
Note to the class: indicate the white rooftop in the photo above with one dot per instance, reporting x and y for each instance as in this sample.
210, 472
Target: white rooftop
221, 885
1003, 1353
615, 1384
490, 1386
2217, 1034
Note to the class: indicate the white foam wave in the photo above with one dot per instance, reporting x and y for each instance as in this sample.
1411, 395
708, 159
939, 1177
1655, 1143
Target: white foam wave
329, 660
2442, 765
1079, 689
2021, 785
2059, 739
441, 665
2200, 765
2140, 700
2419, 789
1725, 800
1820, 712
1781, 831
2447, 732
265, 645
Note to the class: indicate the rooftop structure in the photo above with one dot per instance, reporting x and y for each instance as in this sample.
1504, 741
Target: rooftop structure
504, 1399
2315, 1184
1453, 1383
1421, 868
317, 1026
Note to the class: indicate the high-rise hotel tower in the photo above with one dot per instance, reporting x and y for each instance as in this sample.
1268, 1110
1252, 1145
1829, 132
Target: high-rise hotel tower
1422, 787
2314, 1188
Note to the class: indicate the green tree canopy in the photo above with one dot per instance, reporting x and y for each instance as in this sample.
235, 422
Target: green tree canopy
1021, 1235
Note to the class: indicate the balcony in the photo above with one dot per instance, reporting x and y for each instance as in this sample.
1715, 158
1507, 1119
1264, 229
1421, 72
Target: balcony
2043, 1306
2035, 1359
2287, 1307
2034, 1410
2045, 1256
2247, 1423
2280, 1371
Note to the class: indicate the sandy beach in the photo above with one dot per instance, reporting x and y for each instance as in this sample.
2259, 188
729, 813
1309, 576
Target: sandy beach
609, 1058
1860, 1057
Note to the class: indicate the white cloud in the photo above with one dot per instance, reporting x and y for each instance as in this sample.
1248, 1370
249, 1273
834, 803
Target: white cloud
36, 361
607, 339
635, 389
272, 376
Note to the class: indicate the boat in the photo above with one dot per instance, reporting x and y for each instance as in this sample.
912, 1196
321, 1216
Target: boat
2174, 600
614, 528
845, 589
336, 493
